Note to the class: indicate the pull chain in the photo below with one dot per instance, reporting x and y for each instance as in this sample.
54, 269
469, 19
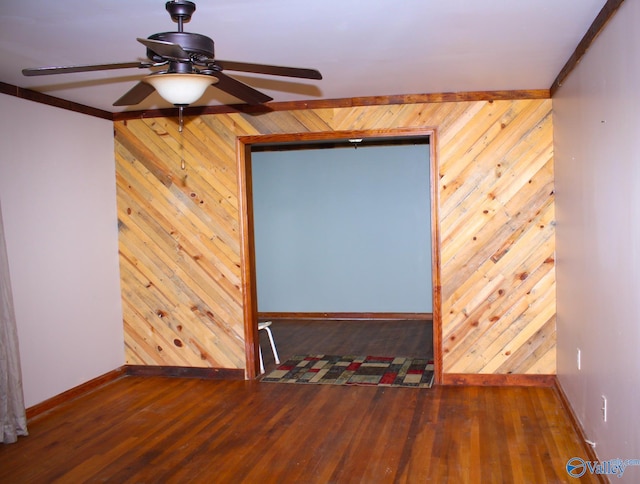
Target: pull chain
180, 127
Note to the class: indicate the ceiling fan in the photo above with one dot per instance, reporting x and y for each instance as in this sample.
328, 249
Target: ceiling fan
191, 67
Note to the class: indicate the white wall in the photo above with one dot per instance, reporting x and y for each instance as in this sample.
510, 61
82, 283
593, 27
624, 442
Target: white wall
343, 230
57, 187
597, 156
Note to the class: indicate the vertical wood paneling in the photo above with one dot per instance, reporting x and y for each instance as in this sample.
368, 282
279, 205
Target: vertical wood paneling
180, 243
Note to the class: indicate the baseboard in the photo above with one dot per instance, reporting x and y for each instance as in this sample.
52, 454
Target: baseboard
348, 316
74, 392
185, 372
591, 452
518, 380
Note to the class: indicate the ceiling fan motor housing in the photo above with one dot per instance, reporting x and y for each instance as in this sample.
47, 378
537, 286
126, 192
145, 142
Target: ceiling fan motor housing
200, 47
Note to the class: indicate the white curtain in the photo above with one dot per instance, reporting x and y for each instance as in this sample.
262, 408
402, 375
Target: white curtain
13, 421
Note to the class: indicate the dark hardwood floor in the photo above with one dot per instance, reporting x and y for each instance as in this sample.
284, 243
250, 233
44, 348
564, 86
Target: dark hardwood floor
412, 338
155, 429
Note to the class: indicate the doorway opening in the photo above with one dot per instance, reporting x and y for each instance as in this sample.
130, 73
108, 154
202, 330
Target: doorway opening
411, 295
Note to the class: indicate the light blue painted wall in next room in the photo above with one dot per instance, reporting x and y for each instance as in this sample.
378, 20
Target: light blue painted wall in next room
343, 229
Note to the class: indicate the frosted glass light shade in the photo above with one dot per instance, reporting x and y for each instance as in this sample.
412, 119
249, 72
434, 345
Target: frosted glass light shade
180, 89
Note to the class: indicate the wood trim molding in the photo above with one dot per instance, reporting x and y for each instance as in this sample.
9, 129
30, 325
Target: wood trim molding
591, 453
498, 380
74, 392
42, 98
341, 103
185, 372
425, 131
247, 259
606, 13
436, 262
348, 316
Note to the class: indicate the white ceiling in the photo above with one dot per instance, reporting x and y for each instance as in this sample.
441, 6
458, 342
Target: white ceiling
362, 47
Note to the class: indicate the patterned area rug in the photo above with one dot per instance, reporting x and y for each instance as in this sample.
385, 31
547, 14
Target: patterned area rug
354, 370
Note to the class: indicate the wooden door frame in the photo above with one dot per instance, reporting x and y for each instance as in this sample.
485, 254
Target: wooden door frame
247, 245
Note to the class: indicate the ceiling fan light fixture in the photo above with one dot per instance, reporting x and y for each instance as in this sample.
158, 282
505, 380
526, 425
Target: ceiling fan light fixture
191, 67
180, 89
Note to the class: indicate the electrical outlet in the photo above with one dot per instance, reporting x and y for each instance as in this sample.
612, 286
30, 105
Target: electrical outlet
579, 359
604, 408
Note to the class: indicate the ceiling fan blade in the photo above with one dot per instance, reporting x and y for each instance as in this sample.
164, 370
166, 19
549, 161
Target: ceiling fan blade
135, 95
43, 71
268, 69
165, 49
240, 90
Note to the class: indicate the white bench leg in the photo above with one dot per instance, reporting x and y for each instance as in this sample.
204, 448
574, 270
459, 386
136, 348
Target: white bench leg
273, 345
261, 361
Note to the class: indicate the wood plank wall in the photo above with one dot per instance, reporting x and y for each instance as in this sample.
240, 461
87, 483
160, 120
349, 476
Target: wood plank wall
180, 243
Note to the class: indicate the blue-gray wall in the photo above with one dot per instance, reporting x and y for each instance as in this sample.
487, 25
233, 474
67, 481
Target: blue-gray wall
343, 230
